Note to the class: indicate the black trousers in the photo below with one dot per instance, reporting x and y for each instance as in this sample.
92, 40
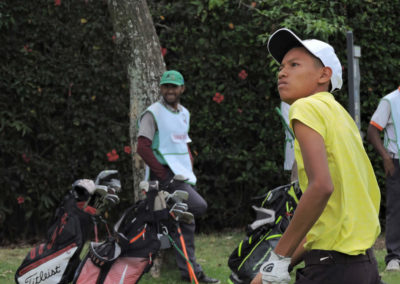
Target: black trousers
330, 267
393, 214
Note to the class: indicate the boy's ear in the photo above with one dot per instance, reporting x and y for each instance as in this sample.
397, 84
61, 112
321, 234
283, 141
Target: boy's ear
326, 75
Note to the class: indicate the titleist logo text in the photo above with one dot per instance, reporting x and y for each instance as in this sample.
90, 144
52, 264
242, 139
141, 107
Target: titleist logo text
36, 279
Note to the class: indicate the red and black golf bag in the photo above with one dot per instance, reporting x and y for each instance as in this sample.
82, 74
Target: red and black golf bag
273, 217
55, 260
128, 254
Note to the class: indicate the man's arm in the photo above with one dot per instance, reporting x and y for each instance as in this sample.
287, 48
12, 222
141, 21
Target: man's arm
374, 138
190, 155
145, 151
146, 134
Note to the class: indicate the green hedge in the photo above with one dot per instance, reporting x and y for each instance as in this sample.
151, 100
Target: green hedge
65, 99
64, 106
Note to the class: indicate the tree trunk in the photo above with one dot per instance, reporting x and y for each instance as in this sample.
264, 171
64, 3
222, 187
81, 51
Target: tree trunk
138, 43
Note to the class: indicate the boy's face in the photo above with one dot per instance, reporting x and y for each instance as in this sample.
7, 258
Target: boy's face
300, 75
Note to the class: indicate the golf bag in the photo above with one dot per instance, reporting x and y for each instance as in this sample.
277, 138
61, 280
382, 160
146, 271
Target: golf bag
56, 260
263, 234
128, 254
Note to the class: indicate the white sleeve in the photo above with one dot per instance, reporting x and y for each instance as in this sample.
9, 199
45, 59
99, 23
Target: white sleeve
382, 114
147, 126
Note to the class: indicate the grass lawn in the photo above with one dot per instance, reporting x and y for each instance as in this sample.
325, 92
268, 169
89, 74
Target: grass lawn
212, 253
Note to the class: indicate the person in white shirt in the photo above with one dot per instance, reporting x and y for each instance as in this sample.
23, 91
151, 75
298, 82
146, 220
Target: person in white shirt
386, 118
163, 145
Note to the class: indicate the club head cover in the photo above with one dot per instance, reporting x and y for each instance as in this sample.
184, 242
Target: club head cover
144, 185
86, 185
159, 201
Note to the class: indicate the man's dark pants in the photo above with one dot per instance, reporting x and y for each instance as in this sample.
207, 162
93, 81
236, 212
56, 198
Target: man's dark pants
197, 206
393, 214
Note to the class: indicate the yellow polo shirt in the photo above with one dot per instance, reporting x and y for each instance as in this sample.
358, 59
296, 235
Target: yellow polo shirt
349, 223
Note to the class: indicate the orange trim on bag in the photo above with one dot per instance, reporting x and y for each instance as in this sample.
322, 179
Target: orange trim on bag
376, 125
138, 236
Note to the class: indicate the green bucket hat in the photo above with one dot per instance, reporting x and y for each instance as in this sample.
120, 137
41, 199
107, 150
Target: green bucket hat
172, 77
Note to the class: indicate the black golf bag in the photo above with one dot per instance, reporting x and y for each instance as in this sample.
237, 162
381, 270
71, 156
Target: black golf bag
56, 260
263, 234
128, 254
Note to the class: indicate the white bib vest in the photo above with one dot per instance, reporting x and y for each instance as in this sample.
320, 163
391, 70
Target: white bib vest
173, 137
394, 100
289, 137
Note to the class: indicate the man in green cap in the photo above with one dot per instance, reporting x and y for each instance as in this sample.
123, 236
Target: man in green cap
163, 145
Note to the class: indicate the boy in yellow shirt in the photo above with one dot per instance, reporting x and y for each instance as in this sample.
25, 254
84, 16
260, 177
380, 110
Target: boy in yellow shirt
336, 221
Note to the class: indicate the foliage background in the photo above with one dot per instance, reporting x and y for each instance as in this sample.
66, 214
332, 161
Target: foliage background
64, 96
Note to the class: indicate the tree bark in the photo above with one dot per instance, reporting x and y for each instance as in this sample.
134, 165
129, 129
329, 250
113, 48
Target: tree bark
139, 45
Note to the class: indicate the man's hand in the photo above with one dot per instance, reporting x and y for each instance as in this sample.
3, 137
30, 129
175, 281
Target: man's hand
388, 165
166, 182
275, 270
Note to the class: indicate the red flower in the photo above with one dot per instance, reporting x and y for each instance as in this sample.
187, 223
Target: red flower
163, 51
27, 49
57, 2
240, 110
113, 38
20, 199
253, 4
243, 74
112, 156
25, 158
218, 98
127, 149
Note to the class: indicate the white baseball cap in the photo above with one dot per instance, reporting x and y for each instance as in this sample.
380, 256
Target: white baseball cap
283, 40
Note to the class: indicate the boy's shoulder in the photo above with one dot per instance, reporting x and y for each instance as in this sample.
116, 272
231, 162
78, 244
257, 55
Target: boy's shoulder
315, 98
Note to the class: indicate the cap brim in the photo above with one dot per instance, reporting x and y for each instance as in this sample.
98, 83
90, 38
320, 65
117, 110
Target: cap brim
281, 41
171, 82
